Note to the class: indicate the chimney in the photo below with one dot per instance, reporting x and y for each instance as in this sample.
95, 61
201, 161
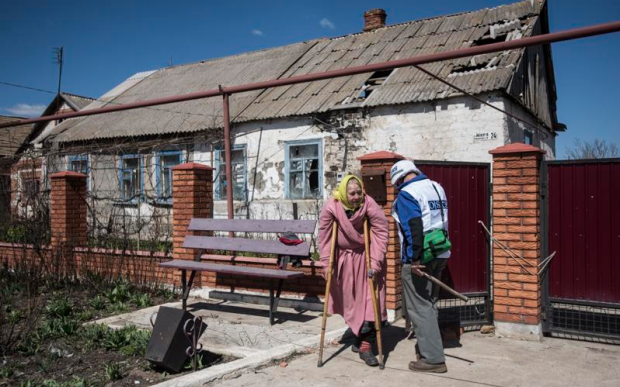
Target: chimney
373, 19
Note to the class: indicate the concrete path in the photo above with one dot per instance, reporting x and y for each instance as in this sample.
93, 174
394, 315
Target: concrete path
480, 360
243, 330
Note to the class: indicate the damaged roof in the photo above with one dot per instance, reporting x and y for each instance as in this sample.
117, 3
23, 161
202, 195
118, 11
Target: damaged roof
482, 73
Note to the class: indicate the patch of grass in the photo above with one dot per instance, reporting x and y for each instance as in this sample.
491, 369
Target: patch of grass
119, 294
97, 302
142, 300
113, 371
130, 341
59, 307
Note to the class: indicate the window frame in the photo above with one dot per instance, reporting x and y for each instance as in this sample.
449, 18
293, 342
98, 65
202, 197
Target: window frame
287, 167
158, 173
140, 174
218, 165
71, 159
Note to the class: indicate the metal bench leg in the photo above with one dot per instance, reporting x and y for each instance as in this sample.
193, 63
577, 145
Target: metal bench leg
187, 285
273, 302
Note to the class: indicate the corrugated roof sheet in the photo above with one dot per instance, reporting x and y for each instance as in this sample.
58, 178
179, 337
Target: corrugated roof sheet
404, 85
13, 137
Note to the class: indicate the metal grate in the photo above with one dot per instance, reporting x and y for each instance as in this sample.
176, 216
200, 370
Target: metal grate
476, 311
584, 320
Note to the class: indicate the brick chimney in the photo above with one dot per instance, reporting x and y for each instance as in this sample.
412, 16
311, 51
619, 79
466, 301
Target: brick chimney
373, 19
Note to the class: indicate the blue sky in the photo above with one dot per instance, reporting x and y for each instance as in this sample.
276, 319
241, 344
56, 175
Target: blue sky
106, 42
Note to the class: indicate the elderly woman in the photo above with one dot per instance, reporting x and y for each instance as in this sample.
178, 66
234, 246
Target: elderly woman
350, 294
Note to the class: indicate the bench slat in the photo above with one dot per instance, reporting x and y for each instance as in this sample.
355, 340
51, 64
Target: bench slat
253, 225
247, 245
228, 269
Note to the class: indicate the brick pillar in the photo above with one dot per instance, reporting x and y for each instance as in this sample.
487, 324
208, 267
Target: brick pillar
68, 218
192, 197
516, 224
68, 209
371, 164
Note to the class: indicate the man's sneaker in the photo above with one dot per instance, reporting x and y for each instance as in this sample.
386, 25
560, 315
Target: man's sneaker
369, 358
421, 366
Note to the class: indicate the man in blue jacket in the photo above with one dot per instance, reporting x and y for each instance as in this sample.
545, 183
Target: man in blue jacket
420, 207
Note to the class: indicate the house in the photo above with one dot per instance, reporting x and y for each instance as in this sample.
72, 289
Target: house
291, 143
11, 140
28, 169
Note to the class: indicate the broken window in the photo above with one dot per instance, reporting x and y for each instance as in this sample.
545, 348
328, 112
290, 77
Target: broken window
130, 178
303, 170
238, 173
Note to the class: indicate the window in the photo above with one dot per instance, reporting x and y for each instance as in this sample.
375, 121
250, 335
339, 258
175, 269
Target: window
528, 137
304, 170
130, 177
31, 189
238, 173
163, 162
78, 164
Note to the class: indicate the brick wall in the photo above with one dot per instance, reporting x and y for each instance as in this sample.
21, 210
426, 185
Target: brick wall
516, 224
137, 266
384, 160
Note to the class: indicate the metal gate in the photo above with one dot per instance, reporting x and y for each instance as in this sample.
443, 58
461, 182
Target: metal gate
468, 191
581, 223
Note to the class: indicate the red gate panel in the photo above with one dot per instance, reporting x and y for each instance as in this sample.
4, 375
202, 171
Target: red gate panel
584, 230
467, 189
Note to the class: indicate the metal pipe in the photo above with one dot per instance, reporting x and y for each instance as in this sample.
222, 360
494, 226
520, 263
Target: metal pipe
228, 155
576, 33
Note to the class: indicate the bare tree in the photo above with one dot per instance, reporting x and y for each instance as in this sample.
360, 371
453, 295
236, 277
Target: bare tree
595, 149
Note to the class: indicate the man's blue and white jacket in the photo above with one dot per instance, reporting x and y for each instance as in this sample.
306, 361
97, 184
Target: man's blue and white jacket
418, 199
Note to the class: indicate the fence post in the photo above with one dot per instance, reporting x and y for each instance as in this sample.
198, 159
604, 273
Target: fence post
68, 217
373, 162
516, 224
192, 197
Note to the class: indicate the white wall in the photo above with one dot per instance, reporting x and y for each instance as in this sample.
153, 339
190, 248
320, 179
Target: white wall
456, 129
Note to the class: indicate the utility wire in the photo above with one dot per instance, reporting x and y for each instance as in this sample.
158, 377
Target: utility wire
26, 87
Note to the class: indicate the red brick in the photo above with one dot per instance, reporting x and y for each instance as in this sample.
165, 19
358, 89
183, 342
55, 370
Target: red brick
507, 317
508, 301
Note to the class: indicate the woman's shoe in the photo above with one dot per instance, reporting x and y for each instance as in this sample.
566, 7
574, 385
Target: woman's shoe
369, 358
355, 347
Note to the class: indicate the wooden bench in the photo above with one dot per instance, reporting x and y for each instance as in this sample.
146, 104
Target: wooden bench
235, 245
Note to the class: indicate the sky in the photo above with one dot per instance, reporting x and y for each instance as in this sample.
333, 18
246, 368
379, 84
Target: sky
105, 42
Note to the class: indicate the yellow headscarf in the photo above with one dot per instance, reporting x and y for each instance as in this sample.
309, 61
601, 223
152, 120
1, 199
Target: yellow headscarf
340, 193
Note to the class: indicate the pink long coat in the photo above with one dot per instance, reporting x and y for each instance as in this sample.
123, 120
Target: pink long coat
350, 295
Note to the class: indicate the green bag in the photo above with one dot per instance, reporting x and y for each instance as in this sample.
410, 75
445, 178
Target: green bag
436, 242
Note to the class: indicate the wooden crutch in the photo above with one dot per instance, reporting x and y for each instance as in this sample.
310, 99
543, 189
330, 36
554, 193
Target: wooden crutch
327, 290
374, 295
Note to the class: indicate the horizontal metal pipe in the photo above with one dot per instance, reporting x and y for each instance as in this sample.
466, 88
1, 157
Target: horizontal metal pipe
576, 33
